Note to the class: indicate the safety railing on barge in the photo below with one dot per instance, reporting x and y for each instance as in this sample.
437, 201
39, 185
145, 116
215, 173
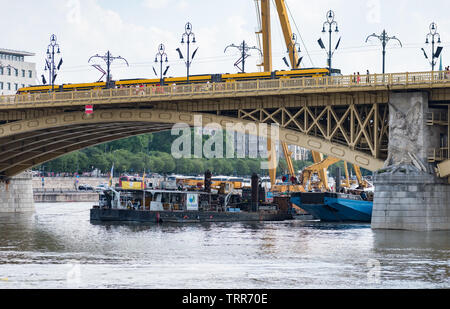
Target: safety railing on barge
305, 85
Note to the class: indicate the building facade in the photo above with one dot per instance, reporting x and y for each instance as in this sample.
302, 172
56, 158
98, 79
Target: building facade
15, 73
299, 153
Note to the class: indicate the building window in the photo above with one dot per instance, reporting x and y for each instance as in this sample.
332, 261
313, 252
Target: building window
16, 71
23, 73
30, 74
1, 71
16, 86
23, 85
9, 86
9, 71
1, 85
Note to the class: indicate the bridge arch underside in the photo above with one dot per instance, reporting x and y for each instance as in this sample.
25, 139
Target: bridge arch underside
28, 143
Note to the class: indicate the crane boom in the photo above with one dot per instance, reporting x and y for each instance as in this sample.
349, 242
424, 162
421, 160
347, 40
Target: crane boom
318, 158
361, 182
319, 168
267, 35
287, 32
272, 152
288, 156
267, 63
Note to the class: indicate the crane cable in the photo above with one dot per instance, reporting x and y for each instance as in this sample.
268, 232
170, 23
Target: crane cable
299, 33
279, 31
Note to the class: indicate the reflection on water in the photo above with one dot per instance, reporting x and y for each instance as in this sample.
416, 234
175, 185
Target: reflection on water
58, 248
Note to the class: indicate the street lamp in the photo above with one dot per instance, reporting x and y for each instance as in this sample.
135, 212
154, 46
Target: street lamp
190, 38
108, 58
244, 49
330, 23
161, 54
433, 35
50, 61
292, 47
384, 38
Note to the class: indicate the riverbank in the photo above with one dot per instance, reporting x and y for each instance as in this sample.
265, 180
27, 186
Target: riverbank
61, 196
68, 183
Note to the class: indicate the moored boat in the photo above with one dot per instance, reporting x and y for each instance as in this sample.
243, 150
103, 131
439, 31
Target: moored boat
173, 206
335, 207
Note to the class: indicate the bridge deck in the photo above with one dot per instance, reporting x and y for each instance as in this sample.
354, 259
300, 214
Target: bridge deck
316, 85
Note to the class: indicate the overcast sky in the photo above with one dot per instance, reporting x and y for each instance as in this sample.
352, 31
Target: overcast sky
133, 29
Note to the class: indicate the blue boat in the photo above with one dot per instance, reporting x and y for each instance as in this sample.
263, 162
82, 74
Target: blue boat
334, 207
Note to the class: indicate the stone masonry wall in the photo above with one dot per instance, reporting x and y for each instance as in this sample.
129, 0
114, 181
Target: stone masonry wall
68, 183
17, 195
411, 202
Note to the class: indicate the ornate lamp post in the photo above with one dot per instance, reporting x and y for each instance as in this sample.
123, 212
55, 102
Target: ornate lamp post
293, 47
433, 35
330, 23
384, 38
188, 37
50, 61
162, 54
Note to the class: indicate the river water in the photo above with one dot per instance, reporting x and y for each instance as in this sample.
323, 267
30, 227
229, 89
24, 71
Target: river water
58, 247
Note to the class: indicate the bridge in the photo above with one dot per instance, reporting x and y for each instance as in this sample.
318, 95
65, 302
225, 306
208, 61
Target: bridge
347, 117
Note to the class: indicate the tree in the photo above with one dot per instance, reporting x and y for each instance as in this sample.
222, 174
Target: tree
242, 168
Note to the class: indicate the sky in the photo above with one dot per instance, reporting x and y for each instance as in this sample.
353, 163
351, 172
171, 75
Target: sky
134, 29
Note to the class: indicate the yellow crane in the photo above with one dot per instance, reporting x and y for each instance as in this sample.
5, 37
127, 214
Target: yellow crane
318, 168
359, 178
265, 20
321, 165
264, 10
293, 187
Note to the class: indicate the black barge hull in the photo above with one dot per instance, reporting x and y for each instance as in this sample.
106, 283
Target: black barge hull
124, 215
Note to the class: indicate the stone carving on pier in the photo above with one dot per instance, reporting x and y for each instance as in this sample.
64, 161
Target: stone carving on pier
404, 141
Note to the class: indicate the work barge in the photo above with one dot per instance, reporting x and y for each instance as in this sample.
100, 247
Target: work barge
178, 203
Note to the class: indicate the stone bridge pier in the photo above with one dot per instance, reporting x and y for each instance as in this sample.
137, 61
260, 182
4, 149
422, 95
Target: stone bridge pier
16, 194
408, 193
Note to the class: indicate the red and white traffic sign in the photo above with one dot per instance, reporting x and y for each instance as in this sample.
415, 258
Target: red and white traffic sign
89, 109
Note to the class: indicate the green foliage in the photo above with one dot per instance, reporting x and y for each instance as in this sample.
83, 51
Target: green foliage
151, 152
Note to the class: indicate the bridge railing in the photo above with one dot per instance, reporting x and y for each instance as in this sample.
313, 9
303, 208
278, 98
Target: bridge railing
332, 82
438, 154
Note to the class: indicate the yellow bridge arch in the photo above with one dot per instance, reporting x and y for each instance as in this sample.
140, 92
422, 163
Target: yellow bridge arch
28, 143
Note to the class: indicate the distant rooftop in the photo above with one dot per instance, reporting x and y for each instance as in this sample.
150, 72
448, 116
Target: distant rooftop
15, 52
